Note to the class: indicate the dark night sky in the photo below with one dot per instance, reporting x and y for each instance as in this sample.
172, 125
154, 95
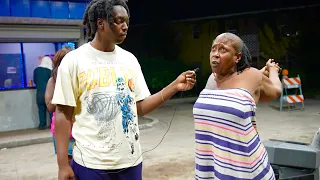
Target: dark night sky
153, 11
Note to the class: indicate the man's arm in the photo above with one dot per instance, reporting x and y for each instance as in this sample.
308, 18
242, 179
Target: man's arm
271, 87
154, 101
184, 82
62, 126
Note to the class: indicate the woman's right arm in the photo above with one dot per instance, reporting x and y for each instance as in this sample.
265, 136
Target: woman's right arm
49, 95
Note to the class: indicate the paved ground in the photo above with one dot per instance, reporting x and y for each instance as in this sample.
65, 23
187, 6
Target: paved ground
34, 136
173, 159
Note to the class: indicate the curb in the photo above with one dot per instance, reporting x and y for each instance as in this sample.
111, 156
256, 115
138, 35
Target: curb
150, 124
28, 142
42, 140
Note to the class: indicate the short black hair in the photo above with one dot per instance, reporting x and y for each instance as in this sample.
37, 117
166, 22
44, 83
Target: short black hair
100, 9
245, 61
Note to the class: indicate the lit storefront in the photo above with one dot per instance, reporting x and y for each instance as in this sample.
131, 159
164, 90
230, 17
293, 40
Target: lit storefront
30, 30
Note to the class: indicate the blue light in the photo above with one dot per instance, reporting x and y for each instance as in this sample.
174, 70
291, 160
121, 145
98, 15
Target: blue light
71, 44
22, 70
68, 44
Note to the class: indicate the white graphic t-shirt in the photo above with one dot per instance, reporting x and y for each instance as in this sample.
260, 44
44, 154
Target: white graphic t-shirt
104, 88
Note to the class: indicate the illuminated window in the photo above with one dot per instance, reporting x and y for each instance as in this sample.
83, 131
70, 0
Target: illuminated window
33, 53
19, 60
11, 66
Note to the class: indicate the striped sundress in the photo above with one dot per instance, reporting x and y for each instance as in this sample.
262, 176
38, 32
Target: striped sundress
227, 144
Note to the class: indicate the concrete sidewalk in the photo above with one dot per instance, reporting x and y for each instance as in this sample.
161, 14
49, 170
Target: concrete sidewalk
24, 138
34, 136
169, 157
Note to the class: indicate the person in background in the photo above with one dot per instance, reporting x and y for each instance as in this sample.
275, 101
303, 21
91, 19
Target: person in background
48, 97
41, 75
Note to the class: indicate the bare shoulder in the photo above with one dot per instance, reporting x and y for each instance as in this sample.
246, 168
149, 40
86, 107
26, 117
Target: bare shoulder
255, 72
254, 75
211, 83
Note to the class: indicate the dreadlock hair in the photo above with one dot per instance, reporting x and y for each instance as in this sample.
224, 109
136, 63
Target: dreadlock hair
245, 61
100, 9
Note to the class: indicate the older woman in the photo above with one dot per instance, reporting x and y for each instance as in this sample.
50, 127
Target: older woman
227, 143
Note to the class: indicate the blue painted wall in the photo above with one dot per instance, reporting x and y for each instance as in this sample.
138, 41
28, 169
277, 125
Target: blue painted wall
5, 8
56, 9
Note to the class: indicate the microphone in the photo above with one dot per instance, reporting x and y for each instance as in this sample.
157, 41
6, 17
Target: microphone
196, 70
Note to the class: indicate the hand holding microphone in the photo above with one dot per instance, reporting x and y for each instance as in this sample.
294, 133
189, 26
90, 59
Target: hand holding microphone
186, 80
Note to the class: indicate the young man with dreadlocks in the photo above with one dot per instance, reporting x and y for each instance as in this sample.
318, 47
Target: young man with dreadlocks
227, 143
102, 86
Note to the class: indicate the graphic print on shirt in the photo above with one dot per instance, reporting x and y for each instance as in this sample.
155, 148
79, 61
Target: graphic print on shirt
125, 101
105, 109
106, 106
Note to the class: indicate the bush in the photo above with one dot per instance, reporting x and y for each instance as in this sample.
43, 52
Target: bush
159, 73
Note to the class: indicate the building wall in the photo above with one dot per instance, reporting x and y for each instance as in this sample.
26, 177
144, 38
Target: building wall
18, 110
43, 9
150, 42
196, 51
